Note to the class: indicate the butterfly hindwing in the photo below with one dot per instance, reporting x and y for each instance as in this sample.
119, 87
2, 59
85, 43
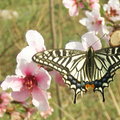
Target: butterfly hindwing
106, 79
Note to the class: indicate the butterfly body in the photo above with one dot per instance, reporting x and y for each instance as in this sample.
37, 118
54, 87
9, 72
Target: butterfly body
81, 70
90, 63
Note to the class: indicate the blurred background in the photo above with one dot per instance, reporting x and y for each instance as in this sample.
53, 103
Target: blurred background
52, 20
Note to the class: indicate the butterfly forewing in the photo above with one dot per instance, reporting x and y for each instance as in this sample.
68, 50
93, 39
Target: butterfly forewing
64, 61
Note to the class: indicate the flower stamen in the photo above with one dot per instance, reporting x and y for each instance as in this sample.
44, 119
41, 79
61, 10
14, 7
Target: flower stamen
112, 12
30, 82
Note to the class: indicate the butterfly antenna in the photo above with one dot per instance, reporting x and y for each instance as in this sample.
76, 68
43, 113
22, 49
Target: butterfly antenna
99, 40
103, 36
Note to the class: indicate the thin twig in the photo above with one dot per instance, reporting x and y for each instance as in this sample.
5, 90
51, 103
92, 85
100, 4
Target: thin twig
52, 20
6, 49
60, 25
41, 16
114, 101
104, 109
64, 112
59, 100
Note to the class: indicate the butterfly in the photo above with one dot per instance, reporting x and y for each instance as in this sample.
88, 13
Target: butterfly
81, 70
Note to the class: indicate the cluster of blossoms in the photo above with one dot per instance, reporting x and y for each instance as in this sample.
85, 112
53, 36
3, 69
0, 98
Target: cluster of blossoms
5, 99
112, 10
94, 21
32, 80
74, 5
88, 39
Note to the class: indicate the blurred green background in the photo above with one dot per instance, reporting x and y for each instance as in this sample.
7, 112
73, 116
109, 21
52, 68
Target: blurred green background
35, 14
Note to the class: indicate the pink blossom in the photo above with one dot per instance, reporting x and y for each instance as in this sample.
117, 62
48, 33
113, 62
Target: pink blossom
81, 5
112, 10
57, 77
72, 5
89, 39
94, 3
35, 44
30, 80
88, 3
94, 22
47, 113
35, 40
5, 100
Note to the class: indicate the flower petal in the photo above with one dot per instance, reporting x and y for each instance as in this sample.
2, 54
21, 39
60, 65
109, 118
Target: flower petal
83, 21
35, 39
26, 53
21, 96
13, 82
72, 5
89, 39
25, 68
90, 15
40, 99
74, 45
57, 77
73, 11
95, 5
43, 78
68, 3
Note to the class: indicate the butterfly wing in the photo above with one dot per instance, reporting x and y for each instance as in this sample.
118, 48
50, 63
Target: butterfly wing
64, 61
108, 56
69, 63
101, 60
107, 61
106, 79
73, 67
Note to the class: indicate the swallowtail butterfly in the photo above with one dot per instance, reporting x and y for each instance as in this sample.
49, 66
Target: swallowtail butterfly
81, 70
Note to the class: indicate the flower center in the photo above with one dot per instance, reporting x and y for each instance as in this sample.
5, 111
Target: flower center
112, 12
97, 22
30, 81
